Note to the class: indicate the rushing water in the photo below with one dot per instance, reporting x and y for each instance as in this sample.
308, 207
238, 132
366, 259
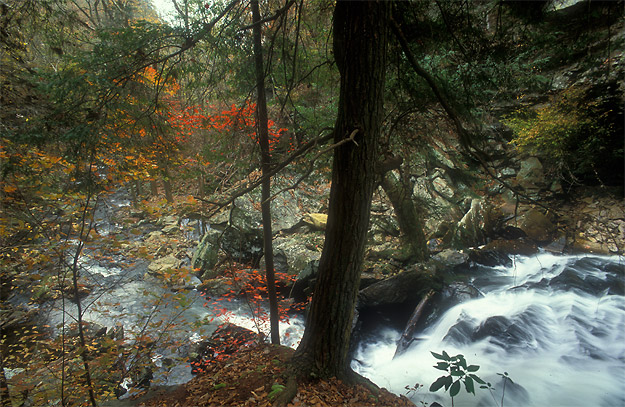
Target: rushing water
556, 324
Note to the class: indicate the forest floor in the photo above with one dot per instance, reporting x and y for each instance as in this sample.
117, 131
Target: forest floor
253, 376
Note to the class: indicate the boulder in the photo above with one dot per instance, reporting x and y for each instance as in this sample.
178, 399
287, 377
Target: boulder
317, 221
449, 258
292, 253
403, 288
537, 226
498, 252
531, 176
475, 226
163, 264
206, 254
304, 284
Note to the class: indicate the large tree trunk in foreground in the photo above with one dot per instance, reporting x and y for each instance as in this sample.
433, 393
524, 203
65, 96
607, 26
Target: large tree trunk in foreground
360, 36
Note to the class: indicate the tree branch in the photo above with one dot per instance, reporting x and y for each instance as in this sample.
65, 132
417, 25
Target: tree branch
279, 167
463, 134
277, 14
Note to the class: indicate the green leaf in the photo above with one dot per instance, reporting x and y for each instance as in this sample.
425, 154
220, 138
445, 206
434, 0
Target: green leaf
442, 365
457, 373
468, 385
455, 389
473, 368
275, 390
462, 361
439, 356
446, 356
440, 382
477, 379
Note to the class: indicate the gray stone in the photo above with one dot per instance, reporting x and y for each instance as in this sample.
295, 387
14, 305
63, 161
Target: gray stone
475, 225
206, 254
170, 229
163, 264
451, 258
531, 175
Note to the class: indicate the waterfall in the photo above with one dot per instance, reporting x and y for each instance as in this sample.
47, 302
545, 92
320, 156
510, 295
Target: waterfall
555, 324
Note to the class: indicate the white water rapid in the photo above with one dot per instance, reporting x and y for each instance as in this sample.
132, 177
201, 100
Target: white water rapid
556, 324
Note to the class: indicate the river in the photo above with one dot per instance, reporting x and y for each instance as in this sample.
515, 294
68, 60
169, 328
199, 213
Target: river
555, 324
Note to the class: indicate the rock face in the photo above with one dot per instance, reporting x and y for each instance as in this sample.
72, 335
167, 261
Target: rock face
475, 226
531, 176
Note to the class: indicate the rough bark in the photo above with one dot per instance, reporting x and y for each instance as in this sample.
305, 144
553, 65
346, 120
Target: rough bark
410, 221
360, 37
263, 135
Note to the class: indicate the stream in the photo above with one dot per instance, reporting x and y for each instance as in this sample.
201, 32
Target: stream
555, 324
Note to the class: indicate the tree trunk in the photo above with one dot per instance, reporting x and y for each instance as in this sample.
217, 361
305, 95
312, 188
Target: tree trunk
410, 221
360, 37
263, 136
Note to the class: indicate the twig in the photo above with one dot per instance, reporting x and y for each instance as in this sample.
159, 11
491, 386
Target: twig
310, 164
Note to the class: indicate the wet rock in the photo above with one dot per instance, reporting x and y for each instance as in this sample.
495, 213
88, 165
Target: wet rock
404, 288
304, 283
216, 287
496, 252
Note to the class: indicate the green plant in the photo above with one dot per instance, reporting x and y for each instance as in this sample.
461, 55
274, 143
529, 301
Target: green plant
505, 377
276, 389
458, 372
574, 131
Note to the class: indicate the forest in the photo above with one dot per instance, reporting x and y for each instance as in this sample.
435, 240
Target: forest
312, 203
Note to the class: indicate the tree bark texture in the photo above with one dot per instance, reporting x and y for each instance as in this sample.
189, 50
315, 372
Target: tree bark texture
360, 38
410, 221
263, 138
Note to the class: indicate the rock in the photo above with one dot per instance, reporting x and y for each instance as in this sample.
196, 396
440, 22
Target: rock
497, 252
451, 258
170, 229
292, 253
531, 175
403, 288
222, 344
216, 287
537, 226
475, 226
168, 220
206, 254
155, 236
136, 213
304, 283
163, 264
317, 221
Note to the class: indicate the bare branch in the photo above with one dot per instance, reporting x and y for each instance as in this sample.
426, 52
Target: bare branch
279, 167
277, 14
